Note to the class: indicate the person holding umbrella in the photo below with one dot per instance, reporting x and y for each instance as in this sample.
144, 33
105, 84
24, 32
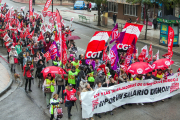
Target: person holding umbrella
49, 83
70, 98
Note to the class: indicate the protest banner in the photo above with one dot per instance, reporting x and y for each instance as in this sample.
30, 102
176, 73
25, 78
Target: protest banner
143, 91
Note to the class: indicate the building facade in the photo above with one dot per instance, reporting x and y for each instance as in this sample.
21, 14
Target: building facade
124, 10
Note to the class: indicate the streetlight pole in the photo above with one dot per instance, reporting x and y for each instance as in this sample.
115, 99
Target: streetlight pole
52, 6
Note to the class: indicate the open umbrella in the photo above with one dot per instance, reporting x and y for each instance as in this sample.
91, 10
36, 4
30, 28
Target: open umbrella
139, 68
73, 37
162, 63
53, 69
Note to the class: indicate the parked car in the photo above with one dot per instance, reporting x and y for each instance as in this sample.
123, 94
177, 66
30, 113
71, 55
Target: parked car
93, 6
79, 5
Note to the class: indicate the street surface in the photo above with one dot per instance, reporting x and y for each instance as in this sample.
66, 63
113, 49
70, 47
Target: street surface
20, 105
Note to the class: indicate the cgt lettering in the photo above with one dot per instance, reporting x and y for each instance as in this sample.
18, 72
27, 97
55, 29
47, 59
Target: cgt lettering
91, 54
121, 46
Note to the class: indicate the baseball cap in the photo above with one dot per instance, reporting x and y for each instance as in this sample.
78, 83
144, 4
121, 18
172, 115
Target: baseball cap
70, 85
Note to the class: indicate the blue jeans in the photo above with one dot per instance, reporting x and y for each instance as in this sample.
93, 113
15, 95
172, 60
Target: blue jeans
78, 81
114, 22
59, 88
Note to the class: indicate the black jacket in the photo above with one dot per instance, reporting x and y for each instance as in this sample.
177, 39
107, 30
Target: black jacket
152, 76
40, 67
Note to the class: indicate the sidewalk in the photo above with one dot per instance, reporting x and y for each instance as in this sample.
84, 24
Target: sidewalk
153, 36
5, 80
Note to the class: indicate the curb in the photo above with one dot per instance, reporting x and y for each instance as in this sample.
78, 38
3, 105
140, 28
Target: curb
155, 46
7, 87
84, 25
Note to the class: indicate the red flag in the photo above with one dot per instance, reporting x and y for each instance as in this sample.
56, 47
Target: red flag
44, 13
132, 31
170, 38
21, 34
40, 37
7, 26
59, 18
96, 45
30, 9
6, 37
103, 67
129, 55
105, 54
43, 28
47, 56
47, 5
26, 33
22, 24
150, 52
56, 37
31, 35
7, 46
49, 13
64, 49
170, 43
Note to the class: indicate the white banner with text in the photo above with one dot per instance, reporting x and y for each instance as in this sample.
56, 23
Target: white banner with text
107, 98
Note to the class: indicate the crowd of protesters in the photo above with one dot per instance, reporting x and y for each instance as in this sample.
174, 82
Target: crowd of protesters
28, 52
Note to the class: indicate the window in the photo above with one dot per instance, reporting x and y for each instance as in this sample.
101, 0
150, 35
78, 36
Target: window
112, 7
130, 10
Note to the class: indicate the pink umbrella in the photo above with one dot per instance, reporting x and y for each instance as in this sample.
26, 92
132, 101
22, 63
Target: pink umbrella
73, 37
162, 63
139, 68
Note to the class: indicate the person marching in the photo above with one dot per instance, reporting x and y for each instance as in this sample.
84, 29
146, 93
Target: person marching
91, 76
69, 93
28, 69
55, 103
49, 83
72, 76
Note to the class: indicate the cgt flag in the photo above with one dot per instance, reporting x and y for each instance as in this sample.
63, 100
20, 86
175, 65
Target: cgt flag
132, 31
115, 34
114, 57
96, 45
53, 50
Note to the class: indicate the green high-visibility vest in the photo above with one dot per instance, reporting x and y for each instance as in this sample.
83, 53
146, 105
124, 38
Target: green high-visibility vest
76, 66
48, 82
72, 78
108, 74
57, 63
52, 100
91, 77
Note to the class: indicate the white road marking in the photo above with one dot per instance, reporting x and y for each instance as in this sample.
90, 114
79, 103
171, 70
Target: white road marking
81, 49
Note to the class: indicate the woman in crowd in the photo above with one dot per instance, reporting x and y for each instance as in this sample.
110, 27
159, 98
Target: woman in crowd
69, 100
61, 84
55, 103
28, 69
27, 57
49, 83
12, 58
18, 47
